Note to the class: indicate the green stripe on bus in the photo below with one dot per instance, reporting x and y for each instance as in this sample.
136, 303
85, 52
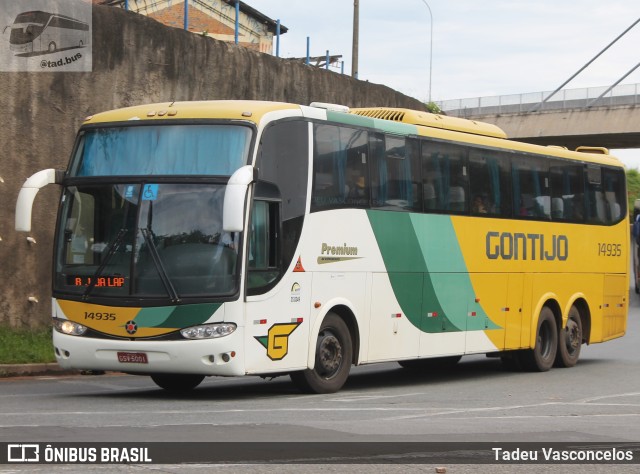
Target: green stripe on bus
427, 273
176, 316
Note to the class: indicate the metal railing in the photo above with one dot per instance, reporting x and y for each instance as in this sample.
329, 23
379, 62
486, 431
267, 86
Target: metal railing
621, 95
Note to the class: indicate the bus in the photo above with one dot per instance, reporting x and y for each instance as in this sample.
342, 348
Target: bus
39, 31
234, 238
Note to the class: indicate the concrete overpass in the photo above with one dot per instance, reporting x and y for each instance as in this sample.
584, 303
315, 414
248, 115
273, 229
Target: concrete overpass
571, 118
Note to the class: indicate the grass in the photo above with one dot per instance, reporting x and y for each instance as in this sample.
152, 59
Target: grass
25, 346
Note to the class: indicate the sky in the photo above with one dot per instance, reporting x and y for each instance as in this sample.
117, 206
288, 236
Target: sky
488, 48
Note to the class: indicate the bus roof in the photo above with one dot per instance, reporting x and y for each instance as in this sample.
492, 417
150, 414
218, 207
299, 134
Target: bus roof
398, 120
248, 110
427, 119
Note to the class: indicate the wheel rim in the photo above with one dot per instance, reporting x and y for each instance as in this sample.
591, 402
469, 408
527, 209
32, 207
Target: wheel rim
329, 356
572, 337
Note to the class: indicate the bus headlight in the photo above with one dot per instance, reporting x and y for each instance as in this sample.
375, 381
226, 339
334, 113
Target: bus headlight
69, 327
208, 331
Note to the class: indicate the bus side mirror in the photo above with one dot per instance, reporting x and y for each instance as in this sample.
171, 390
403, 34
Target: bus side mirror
28, 193
235, 196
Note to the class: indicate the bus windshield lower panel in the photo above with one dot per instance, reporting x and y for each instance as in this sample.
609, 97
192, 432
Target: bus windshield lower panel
145, 240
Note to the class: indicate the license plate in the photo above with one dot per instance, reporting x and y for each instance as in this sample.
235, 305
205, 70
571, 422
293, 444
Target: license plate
133, 358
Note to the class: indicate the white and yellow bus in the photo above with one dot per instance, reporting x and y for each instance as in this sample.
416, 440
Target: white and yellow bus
252, 238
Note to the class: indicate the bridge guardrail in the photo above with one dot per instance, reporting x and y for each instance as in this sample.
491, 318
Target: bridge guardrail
621, 95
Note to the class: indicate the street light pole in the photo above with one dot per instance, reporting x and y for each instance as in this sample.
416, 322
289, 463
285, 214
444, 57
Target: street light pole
355, 43
430, 48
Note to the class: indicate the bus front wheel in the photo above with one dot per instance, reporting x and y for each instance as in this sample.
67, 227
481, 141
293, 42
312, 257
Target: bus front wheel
570, 340
543, 355
52, 47
177, 383
334, 353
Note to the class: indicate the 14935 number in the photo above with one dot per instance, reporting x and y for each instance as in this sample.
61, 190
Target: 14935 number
609, 250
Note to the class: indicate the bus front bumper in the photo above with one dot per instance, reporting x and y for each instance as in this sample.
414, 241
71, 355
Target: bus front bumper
220, 356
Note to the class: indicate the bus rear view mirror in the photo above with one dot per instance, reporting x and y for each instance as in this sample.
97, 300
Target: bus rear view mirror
27, 195
234, 198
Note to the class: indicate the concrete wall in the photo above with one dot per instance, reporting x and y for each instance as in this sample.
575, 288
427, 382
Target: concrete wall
135, 60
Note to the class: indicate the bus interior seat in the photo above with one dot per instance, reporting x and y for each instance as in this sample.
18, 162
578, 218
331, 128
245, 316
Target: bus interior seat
557, 208
429, 196
543, 206
614, 207
600, 206
457, 198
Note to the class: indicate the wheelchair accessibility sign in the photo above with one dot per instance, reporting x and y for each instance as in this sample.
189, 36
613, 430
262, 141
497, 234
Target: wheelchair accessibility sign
150, 192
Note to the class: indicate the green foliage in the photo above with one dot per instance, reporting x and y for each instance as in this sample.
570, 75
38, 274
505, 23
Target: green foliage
633, 188
433, 108
25, 346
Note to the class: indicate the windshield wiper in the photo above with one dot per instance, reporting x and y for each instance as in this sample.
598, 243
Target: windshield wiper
111, 250
153, 250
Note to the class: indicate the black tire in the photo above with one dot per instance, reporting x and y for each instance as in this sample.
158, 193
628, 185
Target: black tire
434, 364
177, 383
334, 354
570, 340
543, 355
52, 47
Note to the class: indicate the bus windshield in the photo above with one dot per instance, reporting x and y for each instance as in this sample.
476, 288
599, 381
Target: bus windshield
28, 26
210, 150
145, 240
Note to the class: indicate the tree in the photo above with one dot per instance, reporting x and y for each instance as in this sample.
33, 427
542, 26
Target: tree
633, 188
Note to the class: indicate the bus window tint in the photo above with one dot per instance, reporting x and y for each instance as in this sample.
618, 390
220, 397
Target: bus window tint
340, 172
395, 173
594, 203
566, 191
614, 182
444, 178
489, 183
531, 187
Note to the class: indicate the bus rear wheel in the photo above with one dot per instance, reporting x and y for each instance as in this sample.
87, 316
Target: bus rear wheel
570, 340
52, 47
177, 383
543, 355
334, 353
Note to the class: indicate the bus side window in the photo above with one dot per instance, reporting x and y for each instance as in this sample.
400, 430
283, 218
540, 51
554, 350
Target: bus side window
395, 172
615, 201
340, 168
566, 191
489, 183
594, 204
531, 187
263, 249
445, 177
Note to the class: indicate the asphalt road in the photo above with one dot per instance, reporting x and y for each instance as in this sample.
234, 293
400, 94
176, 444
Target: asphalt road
478, 401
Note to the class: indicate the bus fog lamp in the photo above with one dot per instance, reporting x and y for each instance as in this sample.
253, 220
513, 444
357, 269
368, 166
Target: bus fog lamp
208, 331
69, 327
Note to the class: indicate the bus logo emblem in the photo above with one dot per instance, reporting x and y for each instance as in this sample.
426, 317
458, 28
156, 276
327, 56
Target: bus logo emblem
131, 327
277, 340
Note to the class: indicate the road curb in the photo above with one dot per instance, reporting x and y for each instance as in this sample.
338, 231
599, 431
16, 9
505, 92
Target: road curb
17, 370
